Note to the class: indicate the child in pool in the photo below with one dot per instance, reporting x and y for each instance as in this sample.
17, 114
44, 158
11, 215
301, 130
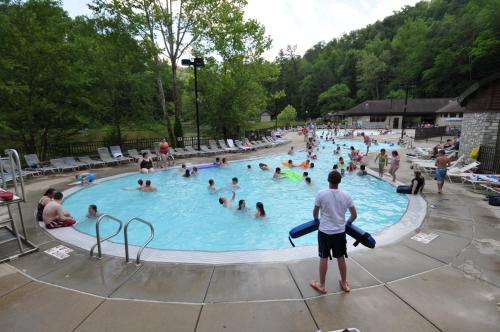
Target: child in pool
341, 166
277, 174
260, 213
362, 170
92, 212
382, 162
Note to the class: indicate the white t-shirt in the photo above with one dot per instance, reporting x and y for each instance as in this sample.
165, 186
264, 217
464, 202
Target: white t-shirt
333, 205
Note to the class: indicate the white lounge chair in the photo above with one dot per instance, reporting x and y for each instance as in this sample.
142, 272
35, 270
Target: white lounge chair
224, 147
70, 161
61, 166
457, 172
151, 154
205, 149
91, 162
34, 164
116, 152
132, 153
213, 146
106, 157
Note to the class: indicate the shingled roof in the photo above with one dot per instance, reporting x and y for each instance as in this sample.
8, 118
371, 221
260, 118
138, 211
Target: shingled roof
417, 106
452, 107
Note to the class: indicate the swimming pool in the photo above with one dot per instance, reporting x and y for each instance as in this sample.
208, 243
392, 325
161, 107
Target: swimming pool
187, 217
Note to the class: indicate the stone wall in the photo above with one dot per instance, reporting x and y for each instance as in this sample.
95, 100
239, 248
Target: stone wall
479, 129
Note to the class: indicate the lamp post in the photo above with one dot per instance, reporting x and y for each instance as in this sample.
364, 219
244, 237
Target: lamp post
407, 86
196, 62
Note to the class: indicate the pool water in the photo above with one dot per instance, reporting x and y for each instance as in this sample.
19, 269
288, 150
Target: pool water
186, 216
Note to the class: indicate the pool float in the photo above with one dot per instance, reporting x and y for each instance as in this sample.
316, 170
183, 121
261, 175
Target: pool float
403, 189
352, 230
291, 175
303, 164
287, 164
205, 166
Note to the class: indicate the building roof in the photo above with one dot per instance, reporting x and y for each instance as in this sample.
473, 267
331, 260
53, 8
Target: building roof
396, 106
452, 107
265, 113
476, 86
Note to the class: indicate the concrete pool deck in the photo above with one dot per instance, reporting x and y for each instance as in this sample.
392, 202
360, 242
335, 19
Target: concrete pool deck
450, 284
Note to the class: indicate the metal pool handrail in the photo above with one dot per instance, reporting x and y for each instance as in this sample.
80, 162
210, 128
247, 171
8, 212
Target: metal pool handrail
98, 236
125, 234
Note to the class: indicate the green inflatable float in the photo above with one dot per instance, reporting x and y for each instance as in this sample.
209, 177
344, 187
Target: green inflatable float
292, 175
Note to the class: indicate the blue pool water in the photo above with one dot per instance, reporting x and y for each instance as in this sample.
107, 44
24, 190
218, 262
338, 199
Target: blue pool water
187, 217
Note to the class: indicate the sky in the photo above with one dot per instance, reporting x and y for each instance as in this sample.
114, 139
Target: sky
302, 23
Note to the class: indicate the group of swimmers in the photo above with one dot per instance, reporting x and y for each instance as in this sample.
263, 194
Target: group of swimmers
50, 211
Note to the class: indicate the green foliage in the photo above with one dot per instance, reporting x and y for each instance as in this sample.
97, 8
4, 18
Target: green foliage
288, 115
335, 98
444, 45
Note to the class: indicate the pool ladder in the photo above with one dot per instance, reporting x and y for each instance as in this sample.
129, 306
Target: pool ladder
125, 235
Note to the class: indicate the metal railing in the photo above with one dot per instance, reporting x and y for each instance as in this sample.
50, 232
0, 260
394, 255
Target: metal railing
489, 157
98, 235
125, 235
425, 133
17, 173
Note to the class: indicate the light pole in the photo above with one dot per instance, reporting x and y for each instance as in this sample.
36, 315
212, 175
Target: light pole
407, 86
196, 62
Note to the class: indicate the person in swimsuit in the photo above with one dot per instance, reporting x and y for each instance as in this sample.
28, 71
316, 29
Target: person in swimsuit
211, 186
362, 170
85, 178
291, 152
242, 205
264, 167
353, 155
92, 212
341, 166
46, 198
194, 171
227, 202
442, 162
146, 164
148, 187
418, 183
224, 163
165, 155
260, 213
187, 174
54, 216
277, 174
368, 142
394, 165
382, 162
234, 183
308, 181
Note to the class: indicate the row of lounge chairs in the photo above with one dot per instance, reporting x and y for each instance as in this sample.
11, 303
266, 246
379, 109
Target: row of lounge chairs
461, 172
114, 155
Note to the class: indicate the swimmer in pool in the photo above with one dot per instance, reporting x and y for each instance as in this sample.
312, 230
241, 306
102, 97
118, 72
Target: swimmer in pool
227, 202
242, 206
195, 171
183, 168
362, 170
277, 174
148, 187
305, 174
92, 212
234, 183
211, 185
264, 167
224, 163
249, 167
309, 181
260, 213
187, 174
311, 165
217, 161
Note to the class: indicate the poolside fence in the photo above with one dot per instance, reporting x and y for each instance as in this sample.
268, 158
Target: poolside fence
90, 148
489, 157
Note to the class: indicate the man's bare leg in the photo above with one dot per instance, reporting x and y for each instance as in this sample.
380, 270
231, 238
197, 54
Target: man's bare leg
343, 274
323, 268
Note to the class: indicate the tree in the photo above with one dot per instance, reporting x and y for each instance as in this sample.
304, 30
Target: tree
335, 98
370, 71
288, 116
174, 27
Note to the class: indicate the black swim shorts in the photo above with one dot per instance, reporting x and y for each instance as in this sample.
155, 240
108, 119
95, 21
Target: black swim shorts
332, 245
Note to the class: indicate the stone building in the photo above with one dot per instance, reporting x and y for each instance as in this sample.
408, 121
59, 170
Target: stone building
480, 125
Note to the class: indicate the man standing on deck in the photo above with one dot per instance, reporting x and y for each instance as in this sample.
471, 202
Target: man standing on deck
332, 242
